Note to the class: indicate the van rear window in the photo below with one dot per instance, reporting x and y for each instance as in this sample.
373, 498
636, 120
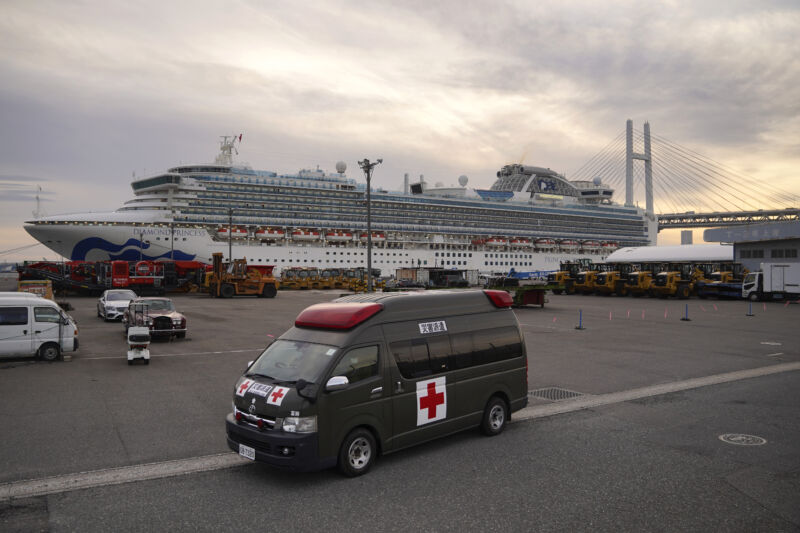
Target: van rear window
13, 316
434, 355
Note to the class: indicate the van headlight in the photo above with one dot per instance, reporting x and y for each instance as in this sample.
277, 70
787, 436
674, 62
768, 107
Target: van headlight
300, 424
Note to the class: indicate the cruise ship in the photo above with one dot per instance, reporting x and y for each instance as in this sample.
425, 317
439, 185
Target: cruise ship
531, 219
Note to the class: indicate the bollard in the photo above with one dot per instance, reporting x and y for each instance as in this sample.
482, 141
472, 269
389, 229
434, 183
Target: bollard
580, 320
749, 309
686, 316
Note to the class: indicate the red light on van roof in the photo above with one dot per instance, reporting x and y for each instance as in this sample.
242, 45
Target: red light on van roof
336, 315
499, 298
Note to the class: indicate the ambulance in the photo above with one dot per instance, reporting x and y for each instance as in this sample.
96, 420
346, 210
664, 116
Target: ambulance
374, 373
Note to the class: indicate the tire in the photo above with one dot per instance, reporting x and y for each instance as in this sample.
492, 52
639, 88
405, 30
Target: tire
130, 362
227, 291
357, 453
495, 417
557, 291
753, 297
147, 361
181, 335
49, 352
683, 292
269, 291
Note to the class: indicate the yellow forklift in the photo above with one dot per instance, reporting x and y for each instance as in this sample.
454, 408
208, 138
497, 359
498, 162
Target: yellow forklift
237, 278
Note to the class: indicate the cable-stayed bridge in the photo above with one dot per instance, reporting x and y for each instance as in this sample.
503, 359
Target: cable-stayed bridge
685, 189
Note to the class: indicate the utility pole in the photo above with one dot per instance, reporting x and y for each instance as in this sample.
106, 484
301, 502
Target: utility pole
230, 235
367, 167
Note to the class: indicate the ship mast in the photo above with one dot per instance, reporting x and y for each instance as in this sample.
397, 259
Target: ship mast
227, 148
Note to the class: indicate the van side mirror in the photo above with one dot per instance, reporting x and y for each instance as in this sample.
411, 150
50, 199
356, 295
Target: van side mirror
337, 383
65, 321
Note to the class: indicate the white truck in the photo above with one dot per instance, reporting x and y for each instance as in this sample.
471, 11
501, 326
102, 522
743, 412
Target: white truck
774, 281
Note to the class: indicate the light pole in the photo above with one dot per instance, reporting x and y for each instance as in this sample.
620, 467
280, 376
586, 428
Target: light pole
230, 235
367, 167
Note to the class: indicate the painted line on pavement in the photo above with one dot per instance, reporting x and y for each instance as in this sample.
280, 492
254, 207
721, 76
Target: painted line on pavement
589, 402
168, 354
128, 474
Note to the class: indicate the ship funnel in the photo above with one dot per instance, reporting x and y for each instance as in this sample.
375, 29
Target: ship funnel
405, 184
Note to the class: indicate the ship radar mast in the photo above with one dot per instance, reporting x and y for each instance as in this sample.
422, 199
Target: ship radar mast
227, 147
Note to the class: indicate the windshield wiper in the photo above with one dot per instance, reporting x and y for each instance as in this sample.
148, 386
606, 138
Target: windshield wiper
258, 375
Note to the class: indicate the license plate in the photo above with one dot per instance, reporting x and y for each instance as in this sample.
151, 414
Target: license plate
247, 452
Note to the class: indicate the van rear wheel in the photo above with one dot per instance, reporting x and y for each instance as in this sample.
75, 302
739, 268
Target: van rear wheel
49, 352
357, 453
495, 417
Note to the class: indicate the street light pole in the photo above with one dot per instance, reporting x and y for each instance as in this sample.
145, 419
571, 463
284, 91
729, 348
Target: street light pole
230, 235
367, 167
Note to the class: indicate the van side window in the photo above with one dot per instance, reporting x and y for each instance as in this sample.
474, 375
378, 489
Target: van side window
411, 358
46, 314
422, 357
358, 364
485, 346
13, 316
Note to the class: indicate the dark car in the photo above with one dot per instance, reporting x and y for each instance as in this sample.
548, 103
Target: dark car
158, 314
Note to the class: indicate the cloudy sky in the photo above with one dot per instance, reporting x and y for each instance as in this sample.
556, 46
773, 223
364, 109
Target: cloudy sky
92, 92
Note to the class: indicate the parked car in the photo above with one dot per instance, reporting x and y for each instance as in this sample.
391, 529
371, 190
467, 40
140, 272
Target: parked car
113, 303
160, 316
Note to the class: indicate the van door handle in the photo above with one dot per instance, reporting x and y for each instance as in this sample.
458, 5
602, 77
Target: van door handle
398, 387
377, 390
37, 331
24, 331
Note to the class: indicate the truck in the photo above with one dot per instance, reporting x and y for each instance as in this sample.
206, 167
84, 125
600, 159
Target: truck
774, 281
237, 278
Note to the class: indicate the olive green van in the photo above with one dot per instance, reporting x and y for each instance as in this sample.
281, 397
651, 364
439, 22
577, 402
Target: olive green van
372, 374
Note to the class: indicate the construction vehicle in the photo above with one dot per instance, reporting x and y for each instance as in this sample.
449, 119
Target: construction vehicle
586, 280
637, 283
678, 281
612, 280
721, 284
565, 278
332, 278
237, 278
290, 278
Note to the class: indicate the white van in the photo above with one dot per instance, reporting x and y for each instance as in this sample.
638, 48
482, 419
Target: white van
32, 325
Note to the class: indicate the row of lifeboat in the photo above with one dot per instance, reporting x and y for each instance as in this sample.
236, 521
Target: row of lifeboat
566, 245
302, 235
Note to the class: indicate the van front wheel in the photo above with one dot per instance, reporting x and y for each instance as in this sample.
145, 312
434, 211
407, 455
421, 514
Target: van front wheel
495, 417
357, 453
49, 352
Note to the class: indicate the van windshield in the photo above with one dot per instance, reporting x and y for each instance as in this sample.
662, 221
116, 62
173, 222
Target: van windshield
290, 361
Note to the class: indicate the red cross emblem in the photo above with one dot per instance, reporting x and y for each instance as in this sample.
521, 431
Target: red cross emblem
432, 400
243, 387
277, 396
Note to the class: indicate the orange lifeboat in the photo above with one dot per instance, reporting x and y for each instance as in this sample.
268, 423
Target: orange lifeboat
569, 245
305, 235
269, 234
590, 246
236, 233
338, 236
520, 242
376, 237
496, 241
545, 244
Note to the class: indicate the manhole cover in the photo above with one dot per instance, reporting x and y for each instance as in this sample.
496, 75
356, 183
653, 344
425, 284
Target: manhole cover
741, 439
554, 394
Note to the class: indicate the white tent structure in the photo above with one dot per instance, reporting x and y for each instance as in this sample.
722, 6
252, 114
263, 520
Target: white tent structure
696, 253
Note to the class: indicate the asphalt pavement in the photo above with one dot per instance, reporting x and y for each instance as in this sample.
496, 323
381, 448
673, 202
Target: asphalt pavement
650, 461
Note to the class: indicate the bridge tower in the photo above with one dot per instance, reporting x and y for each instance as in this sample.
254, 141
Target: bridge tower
630, 155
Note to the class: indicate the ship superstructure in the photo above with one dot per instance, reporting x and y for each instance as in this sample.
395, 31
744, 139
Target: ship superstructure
531, 218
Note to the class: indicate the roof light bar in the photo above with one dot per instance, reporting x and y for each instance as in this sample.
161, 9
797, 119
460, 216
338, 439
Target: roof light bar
499, 298
345, 315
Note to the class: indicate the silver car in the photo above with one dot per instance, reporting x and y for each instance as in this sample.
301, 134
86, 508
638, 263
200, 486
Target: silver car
113, 303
